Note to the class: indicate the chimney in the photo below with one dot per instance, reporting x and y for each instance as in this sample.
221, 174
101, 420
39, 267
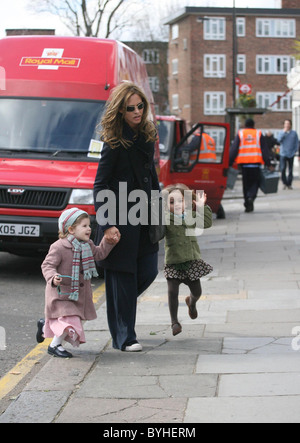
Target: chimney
10, 32
290, 4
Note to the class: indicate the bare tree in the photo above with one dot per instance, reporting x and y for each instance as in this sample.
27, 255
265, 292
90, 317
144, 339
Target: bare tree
90, 18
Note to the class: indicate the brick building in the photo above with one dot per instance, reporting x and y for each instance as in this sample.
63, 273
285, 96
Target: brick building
26, 31
202, 50
155, 55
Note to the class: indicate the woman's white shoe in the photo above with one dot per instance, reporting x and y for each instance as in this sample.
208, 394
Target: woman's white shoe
135, 347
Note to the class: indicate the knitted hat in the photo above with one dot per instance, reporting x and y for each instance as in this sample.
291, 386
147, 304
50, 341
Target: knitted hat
68, 218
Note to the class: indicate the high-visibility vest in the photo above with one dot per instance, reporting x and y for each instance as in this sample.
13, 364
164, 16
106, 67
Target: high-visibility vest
249, 150
207, 149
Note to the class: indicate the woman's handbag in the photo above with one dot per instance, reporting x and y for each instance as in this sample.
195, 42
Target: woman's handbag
157, 226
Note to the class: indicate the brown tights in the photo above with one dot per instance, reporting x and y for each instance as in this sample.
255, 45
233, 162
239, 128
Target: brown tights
173, 292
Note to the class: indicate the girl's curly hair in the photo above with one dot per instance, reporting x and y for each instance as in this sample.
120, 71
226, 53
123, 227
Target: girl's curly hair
112, 122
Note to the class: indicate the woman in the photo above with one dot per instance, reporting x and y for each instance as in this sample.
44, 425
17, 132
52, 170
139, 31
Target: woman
126, 164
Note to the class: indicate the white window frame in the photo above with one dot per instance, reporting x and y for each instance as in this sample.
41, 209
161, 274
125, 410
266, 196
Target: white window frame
217, 65
154, 84
266, 99
214, 103
275, 28
241, 27
274, 64
175, 102
214, 28
175, 31
175, 66
151, 56
241, 61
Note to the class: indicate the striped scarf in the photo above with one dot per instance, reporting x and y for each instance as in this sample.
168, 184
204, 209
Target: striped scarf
82, 254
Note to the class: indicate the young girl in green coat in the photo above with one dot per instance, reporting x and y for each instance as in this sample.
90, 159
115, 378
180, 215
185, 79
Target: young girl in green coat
183, 263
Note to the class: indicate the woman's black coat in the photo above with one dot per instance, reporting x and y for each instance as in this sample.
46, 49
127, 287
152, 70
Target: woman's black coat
135, 167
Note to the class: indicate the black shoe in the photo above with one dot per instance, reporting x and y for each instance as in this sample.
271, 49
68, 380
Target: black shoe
249, 205
39, 334
57, 353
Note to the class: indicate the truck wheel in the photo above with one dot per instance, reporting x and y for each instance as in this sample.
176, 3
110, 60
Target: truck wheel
221, 213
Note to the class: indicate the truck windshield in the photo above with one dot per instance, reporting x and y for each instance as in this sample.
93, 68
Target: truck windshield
49, 126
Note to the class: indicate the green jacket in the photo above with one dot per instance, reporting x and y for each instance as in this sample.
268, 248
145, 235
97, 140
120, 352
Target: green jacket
180, 245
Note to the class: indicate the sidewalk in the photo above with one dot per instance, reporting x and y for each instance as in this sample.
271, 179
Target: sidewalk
235, 363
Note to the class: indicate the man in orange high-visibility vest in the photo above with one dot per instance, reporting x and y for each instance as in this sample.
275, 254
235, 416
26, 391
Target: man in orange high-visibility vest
207, 148
250, 150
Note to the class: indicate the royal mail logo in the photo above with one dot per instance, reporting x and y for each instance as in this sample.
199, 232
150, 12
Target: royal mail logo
51, 59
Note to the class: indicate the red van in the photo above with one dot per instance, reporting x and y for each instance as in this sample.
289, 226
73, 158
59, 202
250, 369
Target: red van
51, 102
199, 158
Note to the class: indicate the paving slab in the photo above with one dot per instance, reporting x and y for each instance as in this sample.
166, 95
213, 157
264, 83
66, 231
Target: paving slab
281, 409
255, 385
99, 410
35, 407
248, 363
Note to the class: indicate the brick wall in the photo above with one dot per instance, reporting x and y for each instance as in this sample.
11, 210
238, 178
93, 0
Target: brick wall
191, 84
290, 4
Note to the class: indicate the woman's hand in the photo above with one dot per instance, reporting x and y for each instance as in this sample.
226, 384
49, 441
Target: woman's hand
112, 236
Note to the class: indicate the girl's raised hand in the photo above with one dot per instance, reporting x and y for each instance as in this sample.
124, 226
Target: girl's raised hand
201, 200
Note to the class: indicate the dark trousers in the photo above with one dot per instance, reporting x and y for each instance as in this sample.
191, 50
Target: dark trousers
251, 180
122, 291
284, 163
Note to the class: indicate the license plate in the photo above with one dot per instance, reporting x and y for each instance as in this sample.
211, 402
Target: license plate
10, 229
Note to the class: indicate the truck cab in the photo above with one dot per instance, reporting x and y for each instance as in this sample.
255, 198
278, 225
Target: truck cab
198, 157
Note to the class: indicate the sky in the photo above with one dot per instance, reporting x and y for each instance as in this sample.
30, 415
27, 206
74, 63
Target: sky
13, 13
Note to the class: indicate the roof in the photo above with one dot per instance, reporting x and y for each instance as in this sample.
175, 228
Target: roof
257, 12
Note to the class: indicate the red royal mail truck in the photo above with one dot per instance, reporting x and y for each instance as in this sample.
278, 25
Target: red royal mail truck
52, 97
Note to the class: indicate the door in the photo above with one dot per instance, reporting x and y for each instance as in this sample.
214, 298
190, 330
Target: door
200, 160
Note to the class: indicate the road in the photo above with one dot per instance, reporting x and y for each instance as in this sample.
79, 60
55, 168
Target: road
22, 303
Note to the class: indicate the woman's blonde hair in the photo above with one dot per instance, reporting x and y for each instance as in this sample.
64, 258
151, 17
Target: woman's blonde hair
112, 122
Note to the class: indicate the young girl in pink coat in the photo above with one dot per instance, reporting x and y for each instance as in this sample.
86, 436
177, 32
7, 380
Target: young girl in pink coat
68, 269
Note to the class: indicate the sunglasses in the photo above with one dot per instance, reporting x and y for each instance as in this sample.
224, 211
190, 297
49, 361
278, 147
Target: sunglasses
140, 106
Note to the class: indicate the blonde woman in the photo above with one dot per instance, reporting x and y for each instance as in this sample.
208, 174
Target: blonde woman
126, 165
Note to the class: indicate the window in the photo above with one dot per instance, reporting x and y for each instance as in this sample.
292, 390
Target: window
274, 64
44, 125
175, 32
241, 27
214, 65
281, 102
154, 84
241, 64
214, 103
214, 28
175, 66
175, 102
276, 28
151, 56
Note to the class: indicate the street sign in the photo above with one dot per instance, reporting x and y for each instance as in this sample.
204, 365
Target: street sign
245, 88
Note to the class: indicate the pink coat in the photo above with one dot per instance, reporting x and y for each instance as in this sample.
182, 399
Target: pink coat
59, 261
